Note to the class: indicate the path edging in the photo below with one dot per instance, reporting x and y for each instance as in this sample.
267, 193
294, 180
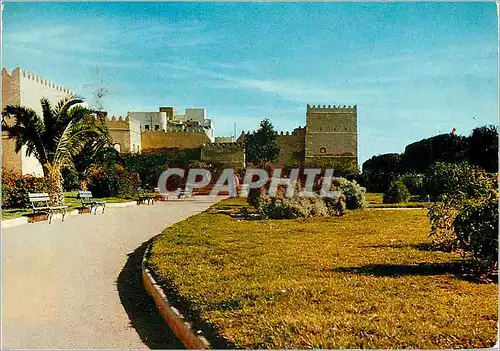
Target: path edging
181, 328
14, 222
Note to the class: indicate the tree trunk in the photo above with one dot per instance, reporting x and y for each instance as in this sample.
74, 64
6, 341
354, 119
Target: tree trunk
56, 191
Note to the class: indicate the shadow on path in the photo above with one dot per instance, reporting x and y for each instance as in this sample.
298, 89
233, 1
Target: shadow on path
140, 307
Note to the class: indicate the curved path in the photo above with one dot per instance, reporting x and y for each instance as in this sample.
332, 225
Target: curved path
72, 284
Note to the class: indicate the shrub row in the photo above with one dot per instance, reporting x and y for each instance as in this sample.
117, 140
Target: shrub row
480, 149
115, 182
465, 217
282, 207
441, 179
15, 188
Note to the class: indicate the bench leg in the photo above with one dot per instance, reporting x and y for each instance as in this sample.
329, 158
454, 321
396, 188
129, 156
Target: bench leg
50, 216
63, 214
103, 208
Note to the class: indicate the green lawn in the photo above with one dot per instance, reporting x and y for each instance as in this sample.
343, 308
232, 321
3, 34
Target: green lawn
365, 280
69, 199
374, 200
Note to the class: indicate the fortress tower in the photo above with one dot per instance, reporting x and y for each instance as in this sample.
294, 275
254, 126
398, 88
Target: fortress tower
125, 133
24, 88
331, 132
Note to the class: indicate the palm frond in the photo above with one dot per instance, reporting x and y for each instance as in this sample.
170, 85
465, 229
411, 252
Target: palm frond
66, 105
28, 129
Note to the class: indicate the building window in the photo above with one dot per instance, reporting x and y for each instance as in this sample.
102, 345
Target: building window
322, 150
334, 129
157, 127
345, 129
146, 127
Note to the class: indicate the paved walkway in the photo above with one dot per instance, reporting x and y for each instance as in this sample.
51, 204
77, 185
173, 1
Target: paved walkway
65, 284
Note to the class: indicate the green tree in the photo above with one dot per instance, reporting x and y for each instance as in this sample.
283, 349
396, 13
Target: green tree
420, 155
484, 148
379, 171
55, 137
261, 146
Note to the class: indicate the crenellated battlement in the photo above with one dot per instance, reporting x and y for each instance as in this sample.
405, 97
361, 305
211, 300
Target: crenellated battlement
299, 131
331, 108
183, 129
28, 75
221, 145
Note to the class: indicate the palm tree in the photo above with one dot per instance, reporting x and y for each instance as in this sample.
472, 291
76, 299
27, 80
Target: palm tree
55, 137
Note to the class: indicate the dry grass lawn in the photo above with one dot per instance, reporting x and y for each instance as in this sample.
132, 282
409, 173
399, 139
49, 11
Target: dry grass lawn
365, 280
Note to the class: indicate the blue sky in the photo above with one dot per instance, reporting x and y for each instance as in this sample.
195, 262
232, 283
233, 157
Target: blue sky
413, 69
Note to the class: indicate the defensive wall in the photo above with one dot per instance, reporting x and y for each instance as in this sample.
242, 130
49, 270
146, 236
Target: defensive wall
151, 140
291, 147
232, 155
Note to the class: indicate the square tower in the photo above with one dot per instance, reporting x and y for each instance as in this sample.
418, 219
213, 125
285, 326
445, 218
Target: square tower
331, 132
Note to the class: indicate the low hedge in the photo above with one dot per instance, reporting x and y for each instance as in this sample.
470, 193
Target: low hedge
15, 188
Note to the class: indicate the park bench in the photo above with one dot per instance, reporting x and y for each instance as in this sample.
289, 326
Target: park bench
40, 202
186, 192
177, 194
144, 196
86, 197
159, 196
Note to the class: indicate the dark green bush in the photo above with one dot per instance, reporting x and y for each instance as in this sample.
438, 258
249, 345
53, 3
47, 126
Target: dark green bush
476, 228
253, 197
71, 180
458, 180
102, 183
149, 166
414, 182
379, 172
127, 183
442, 216
484, 148
15, 188
114, 182
396, 193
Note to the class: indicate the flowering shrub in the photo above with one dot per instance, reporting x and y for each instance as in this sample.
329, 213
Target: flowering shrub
15, 188
101, 183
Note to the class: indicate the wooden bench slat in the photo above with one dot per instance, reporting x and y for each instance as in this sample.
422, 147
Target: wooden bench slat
38, 194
